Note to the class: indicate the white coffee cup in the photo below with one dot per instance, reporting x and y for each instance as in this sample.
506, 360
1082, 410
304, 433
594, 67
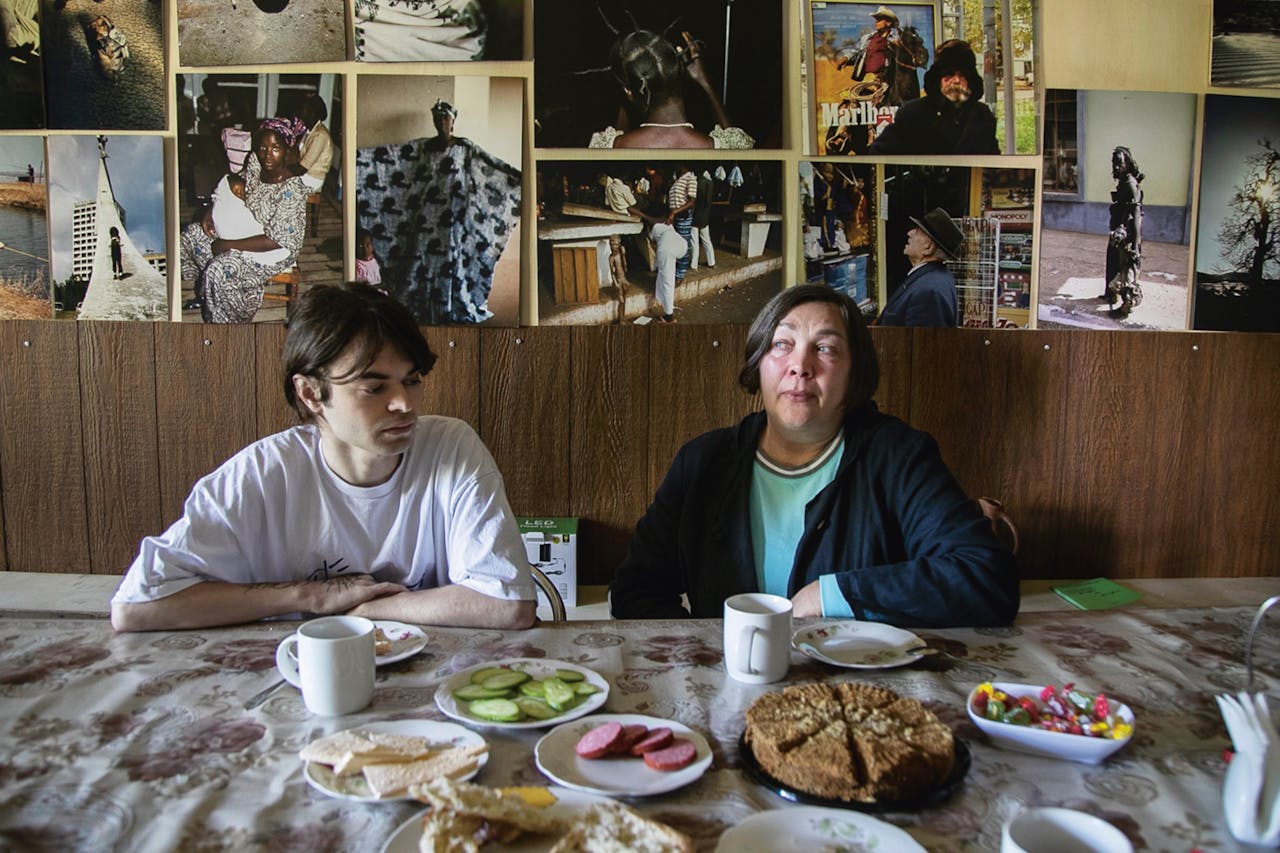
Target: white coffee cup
1054, 830
334, 664
757, 637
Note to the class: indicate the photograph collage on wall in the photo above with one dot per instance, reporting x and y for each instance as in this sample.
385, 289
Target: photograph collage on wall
1117, 249
257, 162
438, 194
107, 227
1115, 219
653, 240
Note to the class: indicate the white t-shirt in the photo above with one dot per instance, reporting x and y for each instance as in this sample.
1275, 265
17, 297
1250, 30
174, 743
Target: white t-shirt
275, 512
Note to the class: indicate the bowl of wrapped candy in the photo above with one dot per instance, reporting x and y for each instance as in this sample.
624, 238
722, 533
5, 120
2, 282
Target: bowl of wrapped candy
1057, 722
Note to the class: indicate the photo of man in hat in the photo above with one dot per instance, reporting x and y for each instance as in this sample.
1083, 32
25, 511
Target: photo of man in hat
927, 296
950, 118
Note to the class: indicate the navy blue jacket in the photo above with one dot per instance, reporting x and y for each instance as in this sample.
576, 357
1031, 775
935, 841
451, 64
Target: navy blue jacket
907, 545
926, 297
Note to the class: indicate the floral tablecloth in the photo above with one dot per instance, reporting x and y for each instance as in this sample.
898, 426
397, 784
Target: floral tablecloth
141, 742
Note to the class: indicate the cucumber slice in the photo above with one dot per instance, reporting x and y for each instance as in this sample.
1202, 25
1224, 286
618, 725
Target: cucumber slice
480, 675
557, 693
497, 710
569, 675
533, 688
503, 680
535, 708
470, 692
585, 688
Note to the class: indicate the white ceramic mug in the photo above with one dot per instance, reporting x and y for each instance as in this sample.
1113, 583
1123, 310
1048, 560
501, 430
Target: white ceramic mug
1051, 830
757, 637
334, 664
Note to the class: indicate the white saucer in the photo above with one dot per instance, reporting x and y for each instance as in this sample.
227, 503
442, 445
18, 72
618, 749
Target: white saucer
859, 645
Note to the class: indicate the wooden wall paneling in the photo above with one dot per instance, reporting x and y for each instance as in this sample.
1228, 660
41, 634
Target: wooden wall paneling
893, 352
693, 387
1110, 500
41, 448
121, 461
1238, 418
453, 387
993, 401
273, 414
608, 442
207, 398
524, 414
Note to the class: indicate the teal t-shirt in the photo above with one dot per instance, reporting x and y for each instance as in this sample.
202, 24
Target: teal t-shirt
779, 496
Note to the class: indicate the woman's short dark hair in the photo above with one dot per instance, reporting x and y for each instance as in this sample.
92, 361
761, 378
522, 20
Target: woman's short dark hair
864, 374
328, 319
648, 66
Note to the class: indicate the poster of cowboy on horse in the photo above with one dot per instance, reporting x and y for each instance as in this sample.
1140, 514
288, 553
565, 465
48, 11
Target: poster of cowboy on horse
868, 60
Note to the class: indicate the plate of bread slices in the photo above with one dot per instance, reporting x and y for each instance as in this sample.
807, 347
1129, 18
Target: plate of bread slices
527, 820
627, 755
395, 641
378, 762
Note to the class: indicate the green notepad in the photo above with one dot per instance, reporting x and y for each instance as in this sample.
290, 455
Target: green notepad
1097, 594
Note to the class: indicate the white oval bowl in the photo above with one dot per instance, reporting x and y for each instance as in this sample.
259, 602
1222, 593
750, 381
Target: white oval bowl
1038, 741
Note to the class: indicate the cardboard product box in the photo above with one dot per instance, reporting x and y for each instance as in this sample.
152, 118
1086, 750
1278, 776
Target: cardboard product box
552, 546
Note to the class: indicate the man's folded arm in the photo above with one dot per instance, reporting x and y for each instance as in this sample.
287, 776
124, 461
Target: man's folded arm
210, 603
453, 605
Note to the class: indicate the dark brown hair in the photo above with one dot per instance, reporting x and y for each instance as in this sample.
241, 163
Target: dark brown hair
330, 318
864, 373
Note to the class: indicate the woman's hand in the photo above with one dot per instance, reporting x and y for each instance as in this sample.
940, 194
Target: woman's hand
807, 602
692, 56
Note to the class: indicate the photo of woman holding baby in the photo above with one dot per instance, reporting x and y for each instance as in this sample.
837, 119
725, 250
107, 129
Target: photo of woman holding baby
252, 230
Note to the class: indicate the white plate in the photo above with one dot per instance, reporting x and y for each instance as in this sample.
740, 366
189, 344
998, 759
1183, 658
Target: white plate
536, 667
622, 776
858, 645
320, 777
804, 829
406, 641
568, 805
1038, 741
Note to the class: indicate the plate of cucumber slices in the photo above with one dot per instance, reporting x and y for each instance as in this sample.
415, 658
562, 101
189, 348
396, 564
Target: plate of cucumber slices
522, 693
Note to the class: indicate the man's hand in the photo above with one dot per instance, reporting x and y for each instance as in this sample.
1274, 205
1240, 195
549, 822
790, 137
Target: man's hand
807, 602
344, 592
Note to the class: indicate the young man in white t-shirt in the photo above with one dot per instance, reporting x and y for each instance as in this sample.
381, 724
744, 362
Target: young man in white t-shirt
366, 508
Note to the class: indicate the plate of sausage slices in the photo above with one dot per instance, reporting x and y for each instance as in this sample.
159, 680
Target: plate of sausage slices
623, 755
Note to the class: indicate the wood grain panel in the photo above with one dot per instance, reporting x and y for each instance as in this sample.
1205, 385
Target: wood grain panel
524, 414
452, 387
693, 387
893, 352
207, 392
608, 441
121, 460
272, 412
42, 448
989, 399
1238, 418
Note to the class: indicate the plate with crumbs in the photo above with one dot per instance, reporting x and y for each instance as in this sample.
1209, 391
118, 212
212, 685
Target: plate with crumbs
859, 645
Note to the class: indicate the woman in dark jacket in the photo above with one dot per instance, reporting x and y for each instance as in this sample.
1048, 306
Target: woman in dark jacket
820, 497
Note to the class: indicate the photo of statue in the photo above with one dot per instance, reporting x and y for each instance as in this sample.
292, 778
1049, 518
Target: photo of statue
1124, 242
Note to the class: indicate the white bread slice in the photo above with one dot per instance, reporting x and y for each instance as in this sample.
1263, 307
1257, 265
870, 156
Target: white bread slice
333, 748
488, 804
389, 780
614, 828
412, 747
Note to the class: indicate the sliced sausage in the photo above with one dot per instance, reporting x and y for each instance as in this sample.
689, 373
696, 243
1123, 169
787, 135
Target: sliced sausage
655, 739
679, 754
631, 735
600, 741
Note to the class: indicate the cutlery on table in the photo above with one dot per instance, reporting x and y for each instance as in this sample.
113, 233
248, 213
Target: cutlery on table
258, 698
